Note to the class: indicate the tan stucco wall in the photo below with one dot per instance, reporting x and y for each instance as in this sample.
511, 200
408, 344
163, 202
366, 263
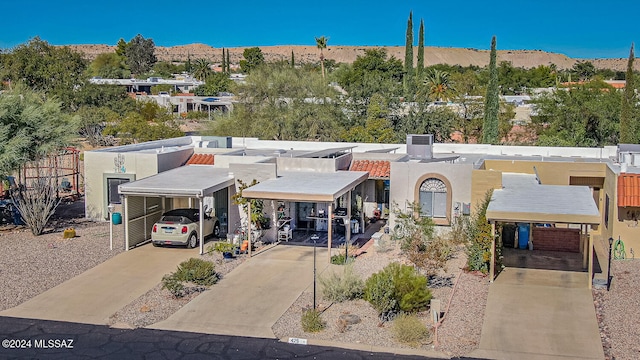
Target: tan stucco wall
137, 165
406, 177
481, 182
550, 172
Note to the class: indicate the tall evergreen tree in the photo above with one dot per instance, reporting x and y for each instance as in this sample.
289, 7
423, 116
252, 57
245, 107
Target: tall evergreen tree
408, 54
420, 67
187, 64
224, 62
491, 105
293, 60
628, 123
228, 63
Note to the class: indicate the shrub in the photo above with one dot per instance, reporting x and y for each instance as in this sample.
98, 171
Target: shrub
479, 245
431, 258
397, 288
311, 321
223, 246
460, 232
352, 250
195, 271
174, 285
340, 259
408, 329
339, 287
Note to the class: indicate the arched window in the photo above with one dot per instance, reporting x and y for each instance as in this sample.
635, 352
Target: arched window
433, 198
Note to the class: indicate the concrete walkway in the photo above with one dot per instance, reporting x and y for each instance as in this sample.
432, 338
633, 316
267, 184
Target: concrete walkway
540, 314
98, 293
251, 298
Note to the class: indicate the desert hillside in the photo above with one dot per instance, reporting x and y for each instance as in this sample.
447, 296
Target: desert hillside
347, 54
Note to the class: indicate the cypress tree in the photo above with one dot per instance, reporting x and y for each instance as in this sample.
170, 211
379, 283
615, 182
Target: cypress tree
293, 60
420, 67
187, 64
408, 54
224, 62
491, 105
228, 63
628, 123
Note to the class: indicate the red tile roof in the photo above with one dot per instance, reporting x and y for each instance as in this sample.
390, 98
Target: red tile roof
378, 169
201, 159
628, 190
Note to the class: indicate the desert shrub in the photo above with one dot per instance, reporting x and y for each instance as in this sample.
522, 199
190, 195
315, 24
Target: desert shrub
341, 286
195, 271
311, 321
174, 285
340, 259
460, 232
408, 329
431, 257
397, 288
479, 245
353, 248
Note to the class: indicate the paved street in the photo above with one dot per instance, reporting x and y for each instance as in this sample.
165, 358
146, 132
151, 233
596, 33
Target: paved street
102, 342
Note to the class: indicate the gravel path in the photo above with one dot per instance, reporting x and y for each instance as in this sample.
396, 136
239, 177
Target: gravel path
30, 265
459, 334
158, 304
618, 311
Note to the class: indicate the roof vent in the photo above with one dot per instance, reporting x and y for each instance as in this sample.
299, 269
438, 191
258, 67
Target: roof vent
420, 146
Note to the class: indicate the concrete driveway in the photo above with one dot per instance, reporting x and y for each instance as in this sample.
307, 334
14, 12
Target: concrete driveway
540, 314
98, 293
251, 298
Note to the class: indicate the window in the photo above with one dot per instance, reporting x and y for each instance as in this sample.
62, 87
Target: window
433, 198
112, 189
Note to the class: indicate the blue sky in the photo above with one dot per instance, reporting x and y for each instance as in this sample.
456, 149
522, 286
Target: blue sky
577, 28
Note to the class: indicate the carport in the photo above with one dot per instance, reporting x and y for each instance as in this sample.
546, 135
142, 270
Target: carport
318, 187
142, 210
523, 200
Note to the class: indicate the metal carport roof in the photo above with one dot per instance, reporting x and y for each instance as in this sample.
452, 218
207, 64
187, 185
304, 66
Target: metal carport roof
522, 199
307, 186
185, 181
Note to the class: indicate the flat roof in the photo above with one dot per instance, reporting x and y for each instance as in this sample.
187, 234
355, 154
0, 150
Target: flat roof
307, 186
522, 199
184, 181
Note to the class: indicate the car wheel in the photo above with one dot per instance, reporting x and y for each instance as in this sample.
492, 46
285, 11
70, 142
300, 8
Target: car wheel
155, 244
216, 230
192, 241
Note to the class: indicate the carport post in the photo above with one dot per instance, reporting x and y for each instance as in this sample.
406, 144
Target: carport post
200, 202
585, 244
248, 227
126, 222
329, 228
590, 259
492, 265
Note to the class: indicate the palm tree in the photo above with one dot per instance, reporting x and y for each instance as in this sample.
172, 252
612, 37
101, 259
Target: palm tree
321, 43
202, 69
437, 85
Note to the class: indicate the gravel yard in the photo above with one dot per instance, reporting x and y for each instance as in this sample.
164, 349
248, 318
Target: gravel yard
30, 265
618, 312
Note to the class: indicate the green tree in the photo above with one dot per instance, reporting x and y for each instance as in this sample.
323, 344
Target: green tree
293, 60
253, 58
377, 129
420, 67
628, 123
228, 63
109, 66
583, 70
437, 86
187, 65
148, 122
202, 69
281, 103
121, 48
33, 126
140, 54
91, 121
479, 245
216, 83
587, 115
166, 69
408, 55
321, 43
56, 71
224, 62
491, 107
